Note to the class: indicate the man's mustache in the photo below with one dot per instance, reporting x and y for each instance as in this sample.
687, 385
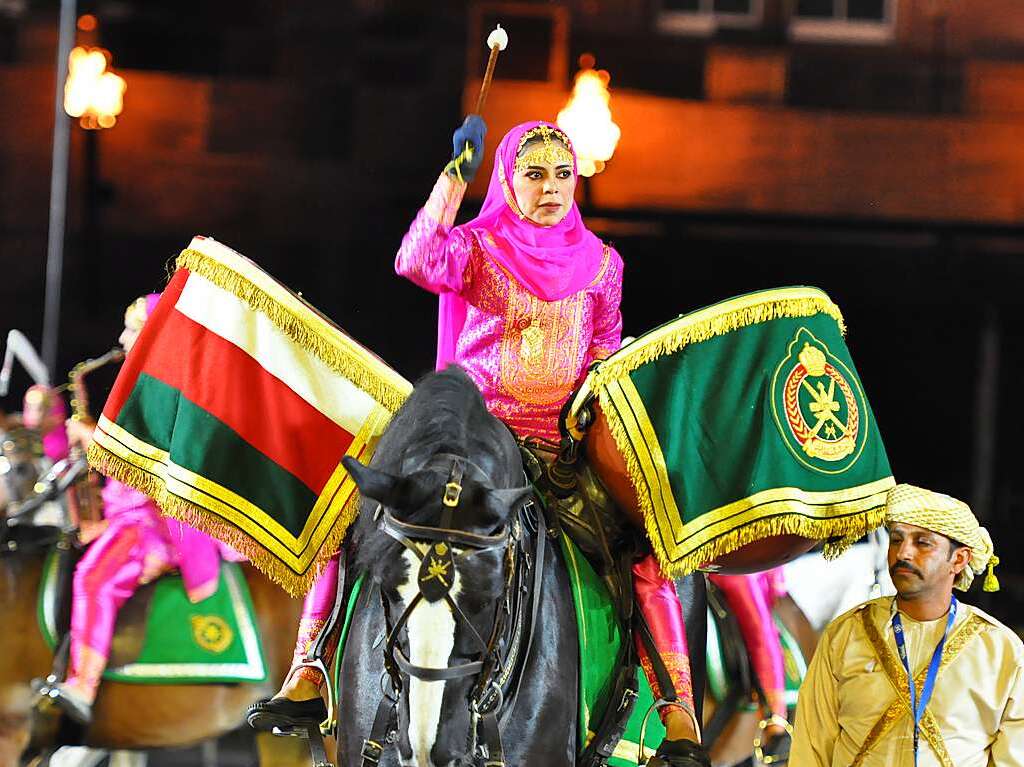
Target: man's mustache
904, 566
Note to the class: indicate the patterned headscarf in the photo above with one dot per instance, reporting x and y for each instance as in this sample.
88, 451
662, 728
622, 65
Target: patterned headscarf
949, 517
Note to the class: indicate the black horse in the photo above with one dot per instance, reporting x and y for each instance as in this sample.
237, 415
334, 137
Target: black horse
463, 649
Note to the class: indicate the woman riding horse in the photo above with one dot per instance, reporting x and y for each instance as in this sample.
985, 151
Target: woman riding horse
529, 298
133, 544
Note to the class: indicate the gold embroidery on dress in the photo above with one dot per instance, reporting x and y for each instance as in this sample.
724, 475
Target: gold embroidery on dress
898, 678
532, 345
540, 346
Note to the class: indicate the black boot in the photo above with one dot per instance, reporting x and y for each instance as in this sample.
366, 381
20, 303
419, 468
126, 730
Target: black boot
57, 694
680, 753
285, 714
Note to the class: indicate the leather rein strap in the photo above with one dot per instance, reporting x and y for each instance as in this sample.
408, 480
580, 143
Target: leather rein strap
494, 668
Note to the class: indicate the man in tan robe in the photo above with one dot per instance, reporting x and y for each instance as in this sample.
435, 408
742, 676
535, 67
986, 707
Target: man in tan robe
854, 707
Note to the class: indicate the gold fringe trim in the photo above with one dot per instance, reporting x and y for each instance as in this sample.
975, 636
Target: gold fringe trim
840, 534
713, 321
296, 584
298, 328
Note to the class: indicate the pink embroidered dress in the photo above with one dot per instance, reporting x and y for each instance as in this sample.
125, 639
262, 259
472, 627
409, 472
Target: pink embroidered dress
137, 546
524, 310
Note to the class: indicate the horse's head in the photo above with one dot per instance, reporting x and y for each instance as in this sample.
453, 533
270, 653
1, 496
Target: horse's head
440, 533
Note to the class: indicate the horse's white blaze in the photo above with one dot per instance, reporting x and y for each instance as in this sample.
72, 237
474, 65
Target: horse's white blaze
431, 631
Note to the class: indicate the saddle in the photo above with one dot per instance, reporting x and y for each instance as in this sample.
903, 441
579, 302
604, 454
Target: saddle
163, 638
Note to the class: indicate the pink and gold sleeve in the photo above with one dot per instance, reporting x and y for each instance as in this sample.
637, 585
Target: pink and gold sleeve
608, 312
432, 255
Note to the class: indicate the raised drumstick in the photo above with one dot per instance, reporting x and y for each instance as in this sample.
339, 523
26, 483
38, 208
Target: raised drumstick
496, 41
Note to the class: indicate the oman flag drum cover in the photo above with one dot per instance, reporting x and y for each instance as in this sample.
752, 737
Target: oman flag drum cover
234, 410
739, 435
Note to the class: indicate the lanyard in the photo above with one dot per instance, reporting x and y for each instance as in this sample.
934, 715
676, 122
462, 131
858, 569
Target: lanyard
917, 708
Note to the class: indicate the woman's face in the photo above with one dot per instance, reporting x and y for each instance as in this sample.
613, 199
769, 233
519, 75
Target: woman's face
543, 189
127, 338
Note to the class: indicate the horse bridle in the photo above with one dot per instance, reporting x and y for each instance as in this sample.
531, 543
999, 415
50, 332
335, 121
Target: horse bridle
435, 579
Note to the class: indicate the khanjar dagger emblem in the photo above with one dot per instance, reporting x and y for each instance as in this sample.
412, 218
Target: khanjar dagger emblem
818, 410
437, 572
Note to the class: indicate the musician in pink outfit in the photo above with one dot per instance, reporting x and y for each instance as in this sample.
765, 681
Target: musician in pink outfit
44, 411
529, 298
133, 545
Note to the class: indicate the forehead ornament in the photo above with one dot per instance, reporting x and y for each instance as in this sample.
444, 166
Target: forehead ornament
547, 152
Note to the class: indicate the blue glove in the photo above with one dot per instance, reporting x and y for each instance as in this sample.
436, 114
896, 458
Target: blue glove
467, 148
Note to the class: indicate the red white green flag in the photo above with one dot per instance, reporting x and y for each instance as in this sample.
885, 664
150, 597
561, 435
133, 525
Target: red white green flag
235, 407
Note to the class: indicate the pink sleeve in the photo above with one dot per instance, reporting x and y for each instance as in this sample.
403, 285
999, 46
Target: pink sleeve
607, 313
432, 255
198, 559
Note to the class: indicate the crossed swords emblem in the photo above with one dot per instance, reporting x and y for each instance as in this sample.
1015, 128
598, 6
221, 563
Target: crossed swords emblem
824, 408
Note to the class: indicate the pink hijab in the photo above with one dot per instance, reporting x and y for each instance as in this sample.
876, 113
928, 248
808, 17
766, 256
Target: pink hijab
551, 262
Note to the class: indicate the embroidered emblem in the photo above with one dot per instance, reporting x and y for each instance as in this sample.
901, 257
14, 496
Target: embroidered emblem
212, 633
437, 571
818, 406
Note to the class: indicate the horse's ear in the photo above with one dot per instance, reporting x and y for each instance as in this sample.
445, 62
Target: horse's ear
378, 485
502, 503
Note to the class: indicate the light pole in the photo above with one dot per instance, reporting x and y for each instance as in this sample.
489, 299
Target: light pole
58, 192
95, 96
86, 90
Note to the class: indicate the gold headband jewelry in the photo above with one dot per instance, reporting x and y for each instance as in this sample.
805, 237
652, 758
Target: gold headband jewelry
549, 152
135, 315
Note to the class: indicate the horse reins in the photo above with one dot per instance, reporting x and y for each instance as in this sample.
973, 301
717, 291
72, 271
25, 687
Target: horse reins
435, 579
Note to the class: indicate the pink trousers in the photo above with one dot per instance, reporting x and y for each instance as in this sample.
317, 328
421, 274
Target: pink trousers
134, 549
750, 597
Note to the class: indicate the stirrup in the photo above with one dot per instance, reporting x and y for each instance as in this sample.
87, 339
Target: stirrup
313, 733
318, 665
54, 694
759, 754
657, 705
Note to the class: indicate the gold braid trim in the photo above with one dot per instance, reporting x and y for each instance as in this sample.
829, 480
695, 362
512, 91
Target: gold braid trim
716, 320
296, 584
340, 354
898, 678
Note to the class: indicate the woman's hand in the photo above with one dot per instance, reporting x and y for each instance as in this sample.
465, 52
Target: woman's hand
91, 529
80, 431
468, 148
